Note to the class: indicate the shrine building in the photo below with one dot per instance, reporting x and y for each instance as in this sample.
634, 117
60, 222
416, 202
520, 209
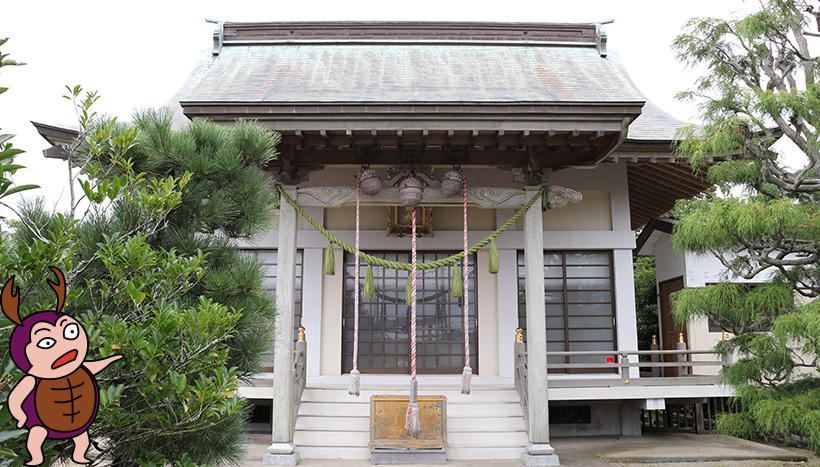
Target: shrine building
531, 114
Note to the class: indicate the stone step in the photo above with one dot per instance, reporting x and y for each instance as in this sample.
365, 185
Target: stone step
487, 424
458, 439
331, 438
362, 409
473, 453
333, 452
475, 397
471, 424
307, 423
453, 453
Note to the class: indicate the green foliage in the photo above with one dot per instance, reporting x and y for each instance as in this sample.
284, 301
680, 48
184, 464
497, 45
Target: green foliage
646, 300
788, 412
7, 151
153, 275
759, 85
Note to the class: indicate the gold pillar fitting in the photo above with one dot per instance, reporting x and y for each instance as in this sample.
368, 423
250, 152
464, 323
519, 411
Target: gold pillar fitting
680, 338
654, 339
519, 335
301, 337
725, 336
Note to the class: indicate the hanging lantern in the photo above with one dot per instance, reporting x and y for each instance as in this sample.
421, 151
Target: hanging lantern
452, 184
371, 183
410, 192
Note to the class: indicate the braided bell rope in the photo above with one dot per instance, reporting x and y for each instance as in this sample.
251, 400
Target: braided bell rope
411, 422
467, 373
376, 261
354, 374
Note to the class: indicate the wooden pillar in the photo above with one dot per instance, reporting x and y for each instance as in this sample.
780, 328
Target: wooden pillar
539, 451
281, 452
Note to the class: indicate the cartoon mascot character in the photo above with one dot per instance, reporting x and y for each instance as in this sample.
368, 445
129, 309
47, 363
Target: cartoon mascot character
58, 398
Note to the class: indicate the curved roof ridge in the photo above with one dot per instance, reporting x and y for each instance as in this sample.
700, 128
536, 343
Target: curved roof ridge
654, 123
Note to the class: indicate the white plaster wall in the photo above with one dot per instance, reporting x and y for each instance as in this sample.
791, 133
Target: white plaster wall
331, 343
487, 296
669, 263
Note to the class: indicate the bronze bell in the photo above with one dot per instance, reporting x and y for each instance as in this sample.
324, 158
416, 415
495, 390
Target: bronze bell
370, 182
410, 192
452, 183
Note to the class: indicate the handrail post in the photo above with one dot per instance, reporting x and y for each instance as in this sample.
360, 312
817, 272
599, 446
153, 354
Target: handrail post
727, 358
624, 364
299, 372
519, 348
683, 370
655, 358
520, 372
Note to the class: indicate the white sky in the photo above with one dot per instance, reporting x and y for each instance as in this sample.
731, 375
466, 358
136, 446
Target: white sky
138, 54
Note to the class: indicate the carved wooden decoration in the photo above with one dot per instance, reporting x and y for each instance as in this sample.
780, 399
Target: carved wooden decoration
398, 221
485, 197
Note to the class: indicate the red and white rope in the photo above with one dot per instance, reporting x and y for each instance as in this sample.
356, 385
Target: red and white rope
466, 281
356, 283
411, 421
413, 296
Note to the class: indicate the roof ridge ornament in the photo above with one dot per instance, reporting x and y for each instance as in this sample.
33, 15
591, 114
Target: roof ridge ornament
219, 35
600, 36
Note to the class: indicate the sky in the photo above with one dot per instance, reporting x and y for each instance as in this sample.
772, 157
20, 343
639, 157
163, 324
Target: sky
138, 54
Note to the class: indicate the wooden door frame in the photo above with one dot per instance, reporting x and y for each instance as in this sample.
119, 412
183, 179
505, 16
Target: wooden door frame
661, 313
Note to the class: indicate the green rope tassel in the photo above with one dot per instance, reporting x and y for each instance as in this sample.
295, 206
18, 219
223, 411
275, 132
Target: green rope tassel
493, 263
369, 286
408, 293
330, 260
456, 286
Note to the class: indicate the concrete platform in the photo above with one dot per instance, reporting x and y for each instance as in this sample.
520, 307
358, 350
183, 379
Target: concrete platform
685, 447
661, 450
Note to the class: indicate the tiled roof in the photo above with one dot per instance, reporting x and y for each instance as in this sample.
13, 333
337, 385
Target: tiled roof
374, 70
409, 74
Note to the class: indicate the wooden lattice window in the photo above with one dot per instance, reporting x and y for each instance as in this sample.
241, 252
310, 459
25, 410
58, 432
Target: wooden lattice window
384, 321
580, 304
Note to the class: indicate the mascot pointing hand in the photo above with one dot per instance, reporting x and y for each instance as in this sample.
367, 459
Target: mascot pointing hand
59, 397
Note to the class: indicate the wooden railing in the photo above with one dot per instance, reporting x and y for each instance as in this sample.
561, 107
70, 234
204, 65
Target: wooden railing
618, 361
521, 372
299, 371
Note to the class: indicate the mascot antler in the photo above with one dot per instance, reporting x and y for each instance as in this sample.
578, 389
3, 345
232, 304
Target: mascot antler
10, 302
59, 287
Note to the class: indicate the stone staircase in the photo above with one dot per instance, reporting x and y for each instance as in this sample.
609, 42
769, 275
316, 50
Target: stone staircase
487, 424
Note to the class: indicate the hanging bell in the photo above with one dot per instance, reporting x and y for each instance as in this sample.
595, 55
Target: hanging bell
370, 182
410, 192
452, 183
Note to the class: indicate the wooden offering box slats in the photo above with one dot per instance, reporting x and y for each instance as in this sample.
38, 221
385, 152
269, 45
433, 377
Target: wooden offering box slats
387, 416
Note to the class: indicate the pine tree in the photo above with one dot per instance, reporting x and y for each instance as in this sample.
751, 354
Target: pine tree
153, 274
759, 85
